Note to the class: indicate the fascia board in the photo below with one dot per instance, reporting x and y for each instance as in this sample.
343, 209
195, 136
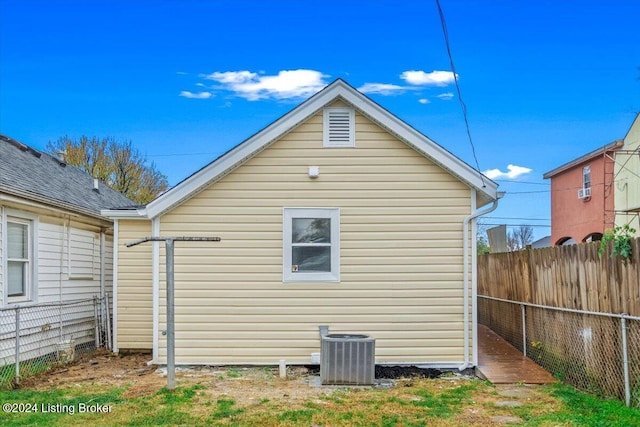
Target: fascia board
124, 214
422, 144
43, 202
280, 127
247, 149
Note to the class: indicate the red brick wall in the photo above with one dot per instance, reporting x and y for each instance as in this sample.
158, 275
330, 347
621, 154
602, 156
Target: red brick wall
576, 218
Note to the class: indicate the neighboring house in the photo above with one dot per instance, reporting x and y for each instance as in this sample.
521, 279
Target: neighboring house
543, 242
55, 247
582, 196
627, 178
337, 214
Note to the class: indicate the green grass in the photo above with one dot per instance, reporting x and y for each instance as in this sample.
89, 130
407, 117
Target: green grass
28, 368
414, 403
582, 409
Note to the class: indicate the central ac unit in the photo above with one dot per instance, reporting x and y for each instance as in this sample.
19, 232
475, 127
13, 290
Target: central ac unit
584, 193
347, 359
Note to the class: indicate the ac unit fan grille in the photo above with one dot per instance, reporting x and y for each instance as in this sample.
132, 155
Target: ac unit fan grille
347, 359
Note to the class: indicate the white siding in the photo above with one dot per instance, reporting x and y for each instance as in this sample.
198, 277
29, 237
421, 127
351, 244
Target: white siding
42, 327
51, 254
1, 256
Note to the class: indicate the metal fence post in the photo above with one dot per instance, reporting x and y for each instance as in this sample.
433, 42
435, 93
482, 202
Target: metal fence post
95, 319
625, 361
17, 380
524, 329
108, 321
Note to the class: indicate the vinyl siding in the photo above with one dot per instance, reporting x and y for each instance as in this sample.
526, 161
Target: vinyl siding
627, 180
134, 317
401, 255
51, 257
2, 245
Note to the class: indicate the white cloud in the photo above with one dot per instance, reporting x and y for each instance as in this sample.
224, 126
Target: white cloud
513, 172
424, 101
199, 95
382, 88
434, 78
445, 96
232, 77
286, 84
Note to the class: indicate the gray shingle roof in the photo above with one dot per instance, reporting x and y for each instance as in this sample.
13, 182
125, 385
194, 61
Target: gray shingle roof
40, 176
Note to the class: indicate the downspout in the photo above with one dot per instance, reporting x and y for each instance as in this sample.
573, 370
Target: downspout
66, 226
465, 255
155, 293
114, 300
102, 263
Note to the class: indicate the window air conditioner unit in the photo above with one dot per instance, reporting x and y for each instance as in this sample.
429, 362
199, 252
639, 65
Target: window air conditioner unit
347, 359
584, 193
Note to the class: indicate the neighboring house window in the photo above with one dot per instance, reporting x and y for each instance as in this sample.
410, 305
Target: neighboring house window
82, 252
311, 245
586, 177
339, 127
19, 259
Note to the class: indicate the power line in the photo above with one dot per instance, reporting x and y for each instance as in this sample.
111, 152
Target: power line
518, 225
180, 154
528, 192
455, 79
522, 182
519, 219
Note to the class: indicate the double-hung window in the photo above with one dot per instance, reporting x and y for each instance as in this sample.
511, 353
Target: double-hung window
19, 259
586, 178
311, 245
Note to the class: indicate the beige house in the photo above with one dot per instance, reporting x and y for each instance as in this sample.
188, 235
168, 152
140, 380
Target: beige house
627, 179
337, 214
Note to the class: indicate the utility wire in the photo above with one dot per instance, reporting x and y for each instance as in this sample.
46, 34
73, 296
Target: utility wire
516, 218
455, 79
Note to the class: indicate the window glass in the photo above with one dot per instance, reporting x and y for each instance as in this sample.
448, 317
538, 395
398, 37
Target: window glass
18, 235
17, 278
311, 245
586, 177
311, 258
17, 259
311, 230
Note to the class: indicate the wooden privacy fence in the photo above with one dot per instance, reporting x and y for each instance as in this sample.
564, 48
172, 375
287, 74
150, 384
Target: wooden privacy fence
572, 277
573, 312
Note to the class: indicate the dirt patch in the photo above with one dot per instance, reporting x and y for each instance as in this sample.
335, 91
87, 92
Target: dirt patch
100, 367
244, 385
132, 372
396, 372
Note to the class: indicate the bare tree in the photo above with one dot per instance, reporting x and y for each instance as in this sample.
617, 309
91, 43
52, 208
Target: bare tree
519, 238
117, 163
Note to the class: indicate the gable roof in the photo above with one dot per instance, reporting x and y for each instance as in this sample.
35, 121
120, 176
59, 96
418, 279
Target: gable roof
339, 89
613, 146
28, 173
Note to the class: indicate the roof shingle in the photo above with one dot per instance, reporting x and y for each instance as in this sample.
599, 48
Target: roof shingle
26, 170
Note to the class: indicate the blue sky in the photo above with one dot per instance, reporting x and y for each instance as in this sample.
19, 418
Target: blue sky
543, 81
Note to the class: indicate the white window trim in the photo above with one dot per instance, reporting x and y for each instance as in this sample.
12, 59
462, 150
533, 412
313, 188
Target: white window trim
289, 214
585, 170
326, 142
10, 215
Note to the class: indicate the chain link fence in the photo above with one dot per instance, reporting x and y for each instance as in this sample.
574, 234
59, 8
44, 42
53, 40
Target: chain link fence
595, 352
36, 338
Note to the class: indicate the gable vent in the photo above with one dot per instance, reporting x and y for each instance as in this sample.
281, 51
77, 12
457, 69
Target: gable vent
339, 127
